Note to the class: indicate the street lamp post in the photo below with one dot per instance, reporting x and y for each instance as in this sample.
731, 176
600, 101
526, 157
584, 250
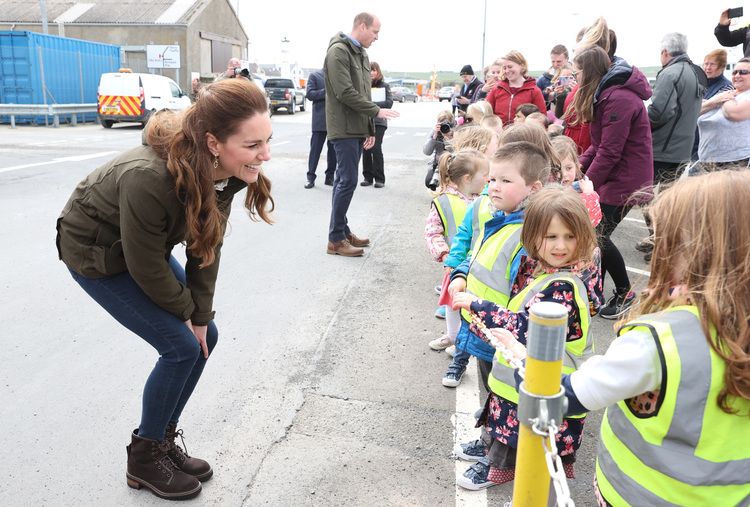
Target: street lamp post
484, 31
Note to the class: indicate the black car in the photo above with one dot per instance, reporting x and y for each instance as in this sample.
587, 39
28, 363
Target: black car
403, 94
284, 92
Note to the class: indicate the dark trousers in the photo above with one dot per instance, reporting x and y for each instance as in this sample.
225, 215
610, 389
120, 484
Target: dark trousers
317, 140
612, 261
665, 172
348, 153
181, 360
461, 358
372, 159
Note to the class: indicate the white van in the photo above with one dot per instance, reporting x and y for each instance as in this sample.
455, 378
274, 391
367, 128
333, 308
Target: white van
133, 97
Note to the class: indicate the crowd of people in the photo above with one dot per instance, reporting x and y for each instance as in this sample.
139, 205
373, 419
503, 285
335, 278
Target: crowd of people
528, 191
566, 157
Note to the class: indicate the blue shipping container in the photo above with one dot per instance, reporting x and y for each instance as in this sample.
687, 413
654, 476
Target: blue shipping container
46, 69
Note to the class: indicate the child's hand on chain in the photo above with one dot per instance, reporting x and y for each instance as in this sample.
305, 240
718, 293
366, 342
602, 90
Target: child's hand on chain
506, 339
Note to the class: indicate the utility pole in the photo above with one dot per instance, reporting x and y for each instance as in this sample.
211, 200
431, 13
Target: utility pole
484, 32
43, 12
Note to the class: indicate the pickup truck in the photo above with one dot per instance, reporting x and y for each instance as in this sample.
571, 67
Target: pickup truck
285, 93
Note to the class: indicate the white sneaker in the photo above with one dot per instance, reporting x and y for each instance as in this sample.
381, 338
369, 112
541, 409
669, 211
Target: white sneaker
451, 351
441, 343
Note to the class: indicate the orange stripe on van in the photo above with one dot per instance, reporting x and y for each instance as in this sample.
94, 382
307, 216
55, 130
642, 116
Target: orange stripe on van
119, 105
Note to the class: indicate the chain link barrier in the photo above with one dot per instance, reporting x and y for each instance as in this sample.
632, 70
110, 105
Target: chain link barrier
513, 361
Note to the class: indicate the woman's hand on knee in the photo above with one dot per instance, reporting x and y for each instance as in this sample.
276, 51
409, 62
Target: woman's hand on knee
200, 335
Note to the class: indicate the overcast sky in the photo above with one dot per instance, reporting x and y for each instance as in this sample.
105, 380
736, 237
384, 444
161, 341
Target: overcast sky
445, 35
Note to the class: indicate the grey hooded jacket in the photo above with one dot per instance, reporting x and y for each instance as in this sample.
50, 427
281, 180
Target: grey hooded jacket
674, 109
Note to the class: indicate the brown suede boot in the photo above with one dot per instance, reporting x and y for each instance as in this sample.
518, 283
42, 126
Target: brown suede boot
196, 467
344, 248
150, 466
357, 242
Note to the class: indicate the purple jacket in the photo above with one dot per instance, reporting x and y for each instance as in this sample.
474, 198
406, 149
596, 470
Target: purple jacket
619, 161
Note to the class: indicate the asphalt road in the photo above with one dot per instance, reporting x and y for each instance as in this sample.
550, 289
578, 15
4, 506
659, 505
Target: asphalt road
322, 390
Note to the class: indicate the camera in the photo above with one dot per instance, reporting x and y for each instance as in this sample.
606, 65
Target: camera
240, 71
445, 127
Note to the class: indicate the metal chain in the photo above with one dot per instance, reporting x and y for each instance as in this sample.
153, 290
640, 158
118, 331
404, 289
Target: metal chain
513, 361
554, 463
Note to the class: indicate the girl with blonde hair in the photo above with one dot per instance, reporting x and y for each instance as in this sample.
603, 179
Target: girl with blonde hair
561, 265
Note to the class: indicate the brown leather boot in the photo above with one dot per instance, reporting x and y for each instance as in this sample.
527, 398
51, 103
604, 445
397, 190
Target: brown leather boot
344, 248
196, 467
358, 242
150, 466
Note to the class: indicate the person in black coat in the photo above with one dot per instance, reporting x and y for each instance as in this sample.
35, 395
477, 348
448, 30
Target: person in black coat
471, 83
372, 159
316, 93
732, 38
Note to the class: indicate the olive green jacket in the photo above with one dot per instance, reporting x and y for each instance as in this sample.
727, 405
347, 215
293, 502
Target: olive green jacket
125, 216
349, 108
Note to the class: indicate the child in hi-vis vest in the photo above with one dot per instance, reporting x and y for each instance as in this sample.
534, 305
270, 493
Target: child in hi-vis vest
561, 266
676, 380
463, 175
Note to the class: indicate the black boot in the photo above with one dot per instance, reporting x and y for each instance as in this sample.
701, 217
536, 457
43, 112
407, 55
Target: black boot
196, 467
150, 466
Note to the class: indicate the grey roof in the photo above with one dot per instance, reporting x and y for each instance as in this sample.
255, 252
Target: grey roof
101, 11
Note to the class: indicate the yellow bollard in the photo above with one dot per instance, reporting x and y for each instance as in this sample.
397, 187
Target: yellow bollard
545, 347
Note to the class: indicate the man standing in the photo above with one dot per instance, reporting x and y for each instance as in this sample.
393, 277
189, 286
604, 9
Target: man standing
471, 84
349, 118
558, 59
316, 93
674, 107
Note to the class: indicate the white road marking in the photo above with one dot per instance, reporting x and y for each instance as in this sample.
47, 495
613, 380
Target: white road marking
77, 158
638, 271
419, 134
467, 402
273, 145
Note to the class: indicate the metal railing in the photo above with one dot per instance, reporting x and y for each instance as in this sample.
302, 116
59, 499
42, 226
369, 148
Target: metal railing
46, 110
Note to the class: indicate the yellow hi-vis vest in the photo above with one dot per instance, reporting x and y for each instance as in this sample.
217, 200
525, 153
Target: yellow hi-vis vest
501, 380
689, 452
451, 209
489, 271
481, 213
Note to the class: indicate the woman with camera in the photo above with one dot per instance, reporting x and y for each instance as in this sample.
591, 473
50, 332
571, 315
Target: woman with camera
116, 235
437, 142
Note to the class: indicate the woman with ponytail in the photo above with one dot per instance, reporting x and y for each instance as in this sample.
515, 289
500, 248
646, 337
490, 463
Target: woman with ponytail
116, 236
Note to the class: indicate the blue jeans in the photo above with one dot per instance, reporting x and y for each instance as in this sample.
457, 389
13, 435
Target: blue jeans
181, 360
348, 153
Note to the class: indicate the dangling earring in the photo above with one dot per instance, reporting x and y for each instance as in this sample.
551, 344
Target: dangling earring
216, 161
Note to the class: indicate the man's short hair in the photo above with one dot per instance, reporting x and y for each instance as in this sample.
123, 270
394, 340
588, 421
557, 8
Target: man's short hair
560, 50
674, 44
363, 17
532, 159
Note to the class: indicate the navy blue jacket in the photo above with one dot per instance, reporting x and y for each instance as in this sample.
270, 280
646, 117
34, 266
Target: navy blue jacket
316, 93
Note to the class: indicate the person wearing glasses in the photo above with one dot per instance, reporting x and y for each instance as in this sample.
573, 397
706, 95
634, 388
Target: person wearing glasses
725, 126
713, 65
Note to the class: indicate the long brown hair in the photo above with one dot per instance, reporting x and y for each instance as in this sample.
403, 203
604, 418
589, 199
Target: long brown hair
699, 226
181, 141
593, 64
564, 202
